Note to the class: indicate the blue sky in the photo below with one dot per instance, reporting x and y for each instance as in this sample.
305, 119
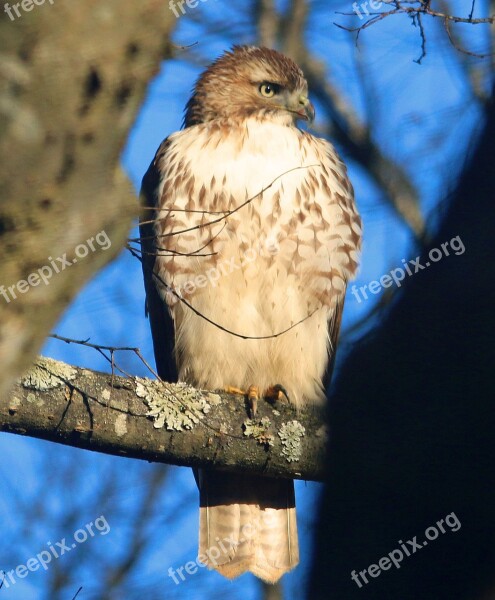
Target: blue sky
419, 112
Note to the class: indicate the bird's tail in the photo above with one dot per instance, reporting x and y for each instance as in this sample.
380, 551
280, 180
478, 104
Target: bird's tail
247, 523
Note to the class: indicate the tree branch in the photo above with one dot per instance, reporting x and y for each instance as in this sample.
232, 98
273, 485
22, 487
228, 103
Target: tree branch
161, 422
67, 103
268, 22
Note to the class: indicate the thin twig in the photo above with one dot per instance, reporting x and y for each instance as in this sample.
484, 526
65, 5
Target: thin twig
77, 593
472, 9
456, 45
417, 22
230, 212
417, 12
102, 349
422, 9
221, 327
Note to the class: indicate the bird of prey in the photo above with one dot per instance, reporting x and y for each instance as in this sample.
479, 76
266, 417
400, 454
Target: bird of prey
249, 230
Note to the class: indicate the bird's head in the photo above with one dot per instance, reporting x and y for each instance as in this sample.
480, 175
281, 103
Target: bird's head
250, 81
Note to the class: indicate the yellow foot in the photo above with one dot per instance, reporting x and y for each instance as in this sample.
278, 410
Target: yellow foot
235, 390
273, 394
252, 395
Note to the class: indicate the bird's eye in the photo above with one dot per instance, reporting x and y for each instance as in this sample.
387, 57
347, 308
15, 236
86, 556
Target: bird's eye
268, 90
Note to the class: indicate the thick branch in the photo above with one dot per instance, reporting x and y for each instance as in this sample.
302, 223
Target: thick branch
268, 22
72, 78
110, 414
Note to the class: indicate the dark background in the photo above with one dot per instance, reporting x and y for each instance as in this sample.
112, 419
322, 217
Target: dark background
412, 422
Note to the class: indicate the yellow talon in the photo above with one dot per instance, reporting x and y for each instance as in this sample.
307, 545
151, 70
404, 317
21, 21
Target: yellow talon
273, 393
276, 393
253, 394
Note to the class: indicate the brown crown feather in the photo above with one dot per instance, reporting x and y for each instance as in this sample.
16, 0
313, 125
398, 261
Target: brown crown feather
225, 88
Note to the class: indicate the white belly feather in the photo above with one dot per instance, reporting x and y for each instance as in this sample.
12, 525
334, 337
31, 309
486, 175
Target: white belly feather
282, 258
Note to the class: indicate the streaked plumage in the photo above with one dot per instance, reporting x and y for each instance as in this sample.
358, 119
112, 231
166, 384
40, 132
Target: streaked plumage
256, 228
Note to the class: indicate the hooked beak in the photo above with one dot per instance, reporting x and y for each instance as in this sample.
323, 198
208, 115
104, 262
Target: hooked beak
306, 110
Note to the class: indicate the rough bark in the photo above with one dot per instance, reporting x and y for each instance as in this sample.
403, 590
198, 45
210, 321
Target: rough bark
72, 77
160, 422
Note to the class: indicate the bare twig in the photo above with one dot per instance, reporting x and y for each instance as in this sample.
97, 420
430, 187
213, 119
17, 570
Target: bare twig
227, 213
419, 9
457, 46
423, 9
472, 9
111, 349
417, 22
77, 593
221, 327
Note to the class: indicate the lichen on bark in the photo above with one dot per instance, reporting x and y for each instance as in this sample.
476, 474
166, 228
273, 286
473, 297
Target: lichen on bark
175, 406
291, 434
47, 374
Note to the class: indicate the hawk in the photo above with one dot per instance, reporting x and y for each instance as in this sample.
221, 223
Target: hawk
249, 230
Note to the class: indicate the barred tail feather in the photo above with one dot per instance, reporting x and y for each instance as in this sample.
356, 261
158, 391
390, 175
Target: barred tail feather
247, 523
